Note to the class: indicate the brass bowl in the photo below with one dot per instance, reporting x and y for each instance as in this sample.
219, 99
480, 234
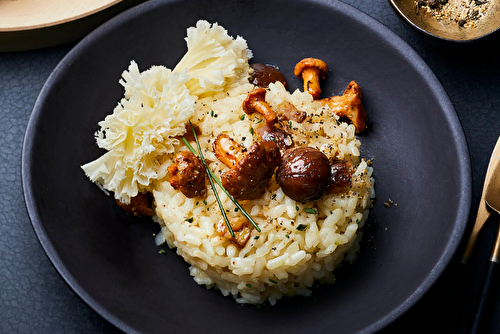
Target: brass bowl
447, 29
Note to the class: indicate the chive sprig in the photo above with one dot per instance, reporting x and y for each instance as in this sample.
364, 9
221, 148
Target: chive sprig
213, 178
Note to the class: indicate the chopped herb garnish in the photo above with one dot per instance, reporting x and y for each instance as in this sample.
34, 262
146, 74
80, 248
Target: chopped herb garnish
289, 124
211, 113
256, 237
249, 285
162, 251
309, 210
273, 196
190, 219
273, 281
301, 227
236, 209
205, 202
260, 120
242, 117
287, 236
297, 208
251, 131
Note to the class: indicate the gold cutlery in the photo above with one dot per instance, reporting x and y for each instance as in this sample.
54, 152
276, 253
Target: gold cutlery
491, 196
482, 212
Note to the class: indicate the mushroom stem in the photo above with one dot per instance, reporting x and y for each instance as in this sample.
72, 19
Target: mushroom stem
311, 69
265, 110
256, 102
311, 81
228, 151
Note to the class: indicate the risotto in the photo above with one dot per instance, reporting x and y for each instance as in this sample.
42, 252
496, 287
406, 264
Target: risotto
300, 242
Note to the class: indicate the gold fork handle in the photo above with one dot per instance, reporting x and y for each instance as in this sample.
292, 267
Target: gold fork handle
486, 303
482, 215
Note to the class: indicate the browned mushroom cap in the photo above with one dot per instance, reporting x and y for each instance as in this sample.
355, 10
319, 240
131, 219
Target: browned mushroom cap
264, 74
256, 102
286, 111
242, 230
310, 70
340, 176
269, 132
189, 132
250, 170
140, 205
349, 106
187, 175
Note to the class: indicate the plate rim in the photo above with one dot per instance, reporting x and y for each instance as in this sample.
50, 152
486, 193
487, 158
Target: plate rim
389, 36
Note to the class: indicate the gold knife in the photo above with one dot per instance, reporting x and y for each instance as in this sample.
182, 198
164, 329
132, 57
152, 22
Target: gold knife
482, 213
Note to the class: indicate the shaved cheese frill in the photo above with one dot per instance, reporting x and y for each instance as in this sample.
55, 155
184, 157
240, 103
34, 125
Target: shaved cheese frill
215, 62
156, 107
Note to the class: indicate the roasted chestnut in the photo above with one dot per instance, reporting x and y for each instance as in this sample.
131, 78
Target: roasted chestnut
304, 174
264, 74
340, 176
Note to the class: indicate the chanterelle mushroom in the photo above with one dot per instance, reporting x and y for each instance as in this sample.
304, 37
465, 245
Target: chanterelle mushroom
140, 205
187, 175
349, 105
279, 136
286, 111
256, 102
242, 230
250, 169
310, 70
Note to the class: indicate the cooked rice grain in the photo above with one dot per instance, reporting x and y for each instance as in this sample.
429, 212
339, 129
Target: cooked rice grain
281, 260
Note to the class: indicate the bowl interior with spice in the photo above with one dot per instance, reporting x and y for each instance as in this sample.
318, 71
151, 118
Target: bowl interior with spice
451, 20
110, 259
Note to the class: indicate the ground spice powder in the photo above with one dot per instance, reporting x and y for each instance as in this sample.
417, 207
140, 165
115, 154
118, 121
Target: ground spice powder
465, 13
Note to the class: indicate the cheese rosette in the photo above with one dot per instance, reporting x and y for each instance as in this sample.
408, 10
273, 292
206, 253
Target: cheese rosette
156, 106
155, 109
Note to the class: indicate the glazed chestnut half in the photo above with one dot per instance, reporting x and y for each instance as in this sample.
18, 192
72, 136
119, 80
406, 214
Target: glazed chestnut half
304, 174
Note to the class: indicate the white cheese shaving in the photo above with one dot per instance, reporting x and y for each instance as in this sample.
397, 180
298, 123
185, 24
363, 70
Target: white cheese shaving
156, 106
215, 61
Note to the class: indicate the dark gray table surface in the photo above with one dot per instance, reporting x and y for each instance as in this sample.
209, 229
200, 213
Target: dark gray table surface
34, 298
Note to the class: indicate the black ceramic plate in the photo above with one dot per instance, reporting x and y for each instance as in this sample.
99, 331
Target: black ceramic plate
110, 260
